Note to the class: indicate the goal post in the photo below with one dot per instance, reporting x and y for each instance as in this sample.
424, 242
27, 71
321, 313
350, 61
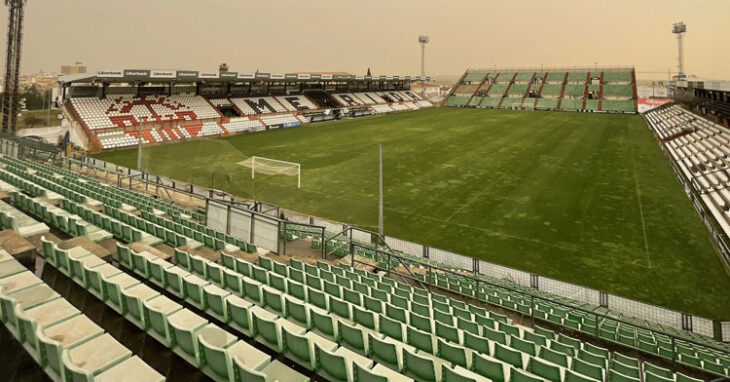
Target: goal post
276, 167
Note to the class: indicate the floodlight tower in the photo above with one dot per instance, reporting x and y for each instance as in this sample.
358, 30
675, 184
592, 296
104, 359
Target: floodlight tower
11, 102
680, 29
423, 40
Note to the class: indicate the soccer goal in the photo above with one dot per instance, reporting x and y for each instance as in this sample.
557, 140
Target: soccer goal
270, 166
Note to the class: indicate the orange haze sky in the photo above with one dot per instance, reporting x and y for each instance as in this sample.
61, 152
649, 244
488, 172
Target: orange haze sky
317, 35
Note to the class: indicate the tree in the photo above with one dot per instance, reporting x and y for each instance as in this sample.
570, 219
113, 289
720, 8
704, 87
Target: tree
32, 121
34, 100
223, 68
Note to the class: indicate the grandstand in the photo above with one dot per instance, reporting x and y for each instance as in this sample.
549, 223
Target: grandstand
109, 110
218, 300
608, 89
699, 151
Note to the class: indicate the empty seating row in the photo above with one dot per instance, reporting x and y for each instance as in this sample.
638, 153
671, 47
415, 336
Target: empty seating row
285, 120
70, 184
122, 112
61, 339
241, 125
258, 105
643, 339
219, 292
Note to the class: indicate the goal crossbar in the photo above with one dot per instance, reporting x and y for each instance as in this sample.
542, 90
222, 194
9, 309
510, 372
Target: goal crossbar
297, 165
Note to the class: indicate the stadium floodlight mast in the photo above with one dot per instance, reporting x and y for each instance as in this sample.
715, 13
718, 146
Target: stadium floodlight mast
680, 29
10, 99
423, 40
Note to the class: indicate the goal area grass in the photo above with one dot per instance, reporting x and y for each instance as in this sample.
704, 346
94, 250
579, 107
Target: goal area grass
584, 198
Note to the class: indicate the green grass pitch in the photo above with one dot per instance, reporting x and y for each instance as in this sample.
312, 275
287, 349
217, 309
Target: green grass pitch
585, 198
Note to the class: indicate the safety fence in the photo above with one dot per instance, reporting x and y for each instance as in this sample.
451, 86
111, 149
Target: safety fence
240, 218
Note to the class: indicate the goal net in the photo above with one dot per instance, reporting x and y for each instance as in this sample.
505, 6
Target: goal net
270, 166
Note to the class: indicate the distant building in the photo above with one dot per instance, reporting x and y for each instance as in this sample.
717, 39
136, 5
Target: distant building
76, 68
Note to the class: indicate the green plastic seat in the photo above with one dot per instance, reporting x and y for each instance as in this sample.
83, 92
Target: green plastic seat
599, 351
587, 369
420, 340
458, 374
91, 358
214, 273
517, 375
267, 372
300, 347
194, 286
494, 335
336, 365
185, 326
352, 337
53, 339
615, 376
265, 329
174, 280
625, 360
454, 353
629, 371
679, 377
447, 332
387, 351
252, 291
233, 281
321, 322
157, 310
508, 355
658, 371
113, 287
544, 369
419, 367
651, 377
379, 373
134, 299
239, 312
214, 298
572, 376
568, 350
245, 359
475, 342
592, 359
364, 317
197, 266
42, 315
553, 356
524, 346
547, 333
214, 342
575, 343
391, 328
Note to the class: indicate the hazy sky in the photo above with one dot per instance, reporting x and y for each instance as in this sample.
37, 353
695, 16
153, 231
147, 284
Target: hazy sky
317, 35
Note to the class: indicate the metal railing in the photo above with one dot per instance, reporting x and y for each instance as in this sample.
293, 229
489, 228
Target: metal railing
390, 255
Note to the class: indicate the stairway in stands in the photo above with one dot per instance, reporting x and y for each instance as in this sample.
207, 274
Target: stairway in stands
562, 91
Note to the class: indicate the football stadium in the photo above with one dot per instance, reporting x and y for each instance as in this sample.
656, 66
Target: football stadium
506, 223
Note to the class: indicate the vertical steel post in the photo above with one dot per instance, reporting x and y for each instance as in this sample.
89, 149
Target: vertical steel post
380, 189
139, 147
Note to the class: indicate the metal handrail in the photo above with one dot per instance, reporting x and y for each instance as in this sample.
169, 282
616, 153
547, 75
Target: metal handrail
479, 281
571, 306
